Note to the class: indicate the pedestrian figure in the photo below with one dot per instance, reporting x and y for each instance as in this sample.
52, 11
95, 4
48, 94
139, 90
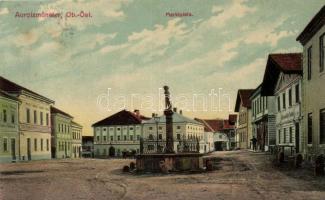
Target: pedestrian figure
254, 141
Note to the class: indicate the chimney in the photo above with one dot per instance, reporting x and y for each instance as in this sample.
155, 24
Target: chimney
137, 113
180, 112
175, 109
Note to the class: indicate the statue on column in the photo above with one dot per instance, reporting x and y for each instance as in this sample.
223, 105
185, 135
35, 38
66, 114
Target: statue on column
169, 122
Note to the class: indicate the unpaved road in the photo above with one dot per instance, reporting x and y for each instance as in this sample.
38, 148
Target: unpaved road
240, 175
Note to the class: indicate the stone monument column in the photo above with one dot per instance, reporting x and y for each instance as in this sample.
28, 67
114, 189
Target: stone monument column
169, 122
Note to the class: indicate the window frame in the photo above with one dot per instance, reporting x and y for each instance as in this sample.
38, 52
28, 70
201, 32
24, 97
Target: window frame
309, 62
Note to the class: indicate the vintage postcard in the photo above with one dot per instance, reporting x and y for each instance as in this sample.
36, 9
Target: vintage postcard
162, 99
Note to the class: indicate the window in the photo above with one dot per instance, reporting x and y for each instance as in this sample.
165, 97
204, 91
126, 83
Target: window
41, 117
284, 135
150, 137
322, 126
178, 127
297, 93
13, 118
125, 138
160, 127
28, 115
47, 145
131, 128
150, 128
178, 136
42, 144
35, 117
284, 100
220, 136
131, 137
35, 144
310, 128
4, 116
279, 106
5, 144
104, 137
290, 97
138, 137
97, 138
321, 52
112, 138
118, 129
118, 138
160, 136
47, 119
290, 134
104, 129
279, 136
309, 63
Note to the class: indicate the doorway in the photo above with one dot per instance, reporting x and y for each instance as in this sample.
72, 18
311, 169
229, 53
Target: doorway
111, 151
13, 148
29, 155
297, 136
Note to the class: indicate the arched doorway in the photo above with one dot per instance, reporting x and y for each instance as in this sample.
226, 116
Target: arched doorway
111, 151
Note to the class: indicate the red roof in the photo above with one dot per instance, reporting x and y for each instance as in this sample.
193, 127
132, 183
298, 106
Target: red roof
215, 125
243, 98
123, 117
316, 23
11, 87
288, 61
56, 110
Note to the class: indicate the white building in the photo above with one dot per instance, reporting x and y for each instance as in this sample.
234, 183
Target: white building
283, 80
313, 40
183, 128
117, 134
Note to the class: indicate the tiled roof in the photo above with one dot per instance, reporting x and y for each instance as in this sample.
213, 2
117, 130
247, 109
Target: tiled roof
243, 98
11, 87
123, 117
177, 118
288, 61
215, 125
56, 110
316, 23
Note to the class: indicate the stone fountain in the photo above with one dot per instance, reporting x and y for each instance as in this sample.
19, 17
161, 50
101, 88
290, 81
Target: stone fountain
168, 160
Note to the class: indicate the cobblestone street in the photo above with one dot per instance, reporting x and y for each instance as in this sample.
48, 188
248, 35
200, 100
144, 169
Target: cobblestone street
240, 175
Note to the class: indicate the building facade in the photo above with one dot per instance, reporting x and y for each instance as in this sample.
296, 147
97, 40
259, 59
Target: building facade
61, 134
76, 139
184, 128
243, 125
263, 119
33, 119
282, 79
87, 146
313, 40
9, 132
117, 134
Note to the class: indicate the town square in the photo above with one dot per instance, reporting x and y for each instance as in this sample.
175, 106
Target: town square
162, 100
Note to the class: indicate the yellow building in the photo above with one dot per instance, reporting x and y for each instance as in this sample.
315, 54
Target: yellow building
313, 40
76, 139
34, 121
244, 123
9, 148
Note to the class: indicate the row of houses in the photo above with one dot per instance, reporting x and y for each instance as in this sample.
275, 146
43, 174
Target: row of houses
121, 132
288, 108
31, 128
